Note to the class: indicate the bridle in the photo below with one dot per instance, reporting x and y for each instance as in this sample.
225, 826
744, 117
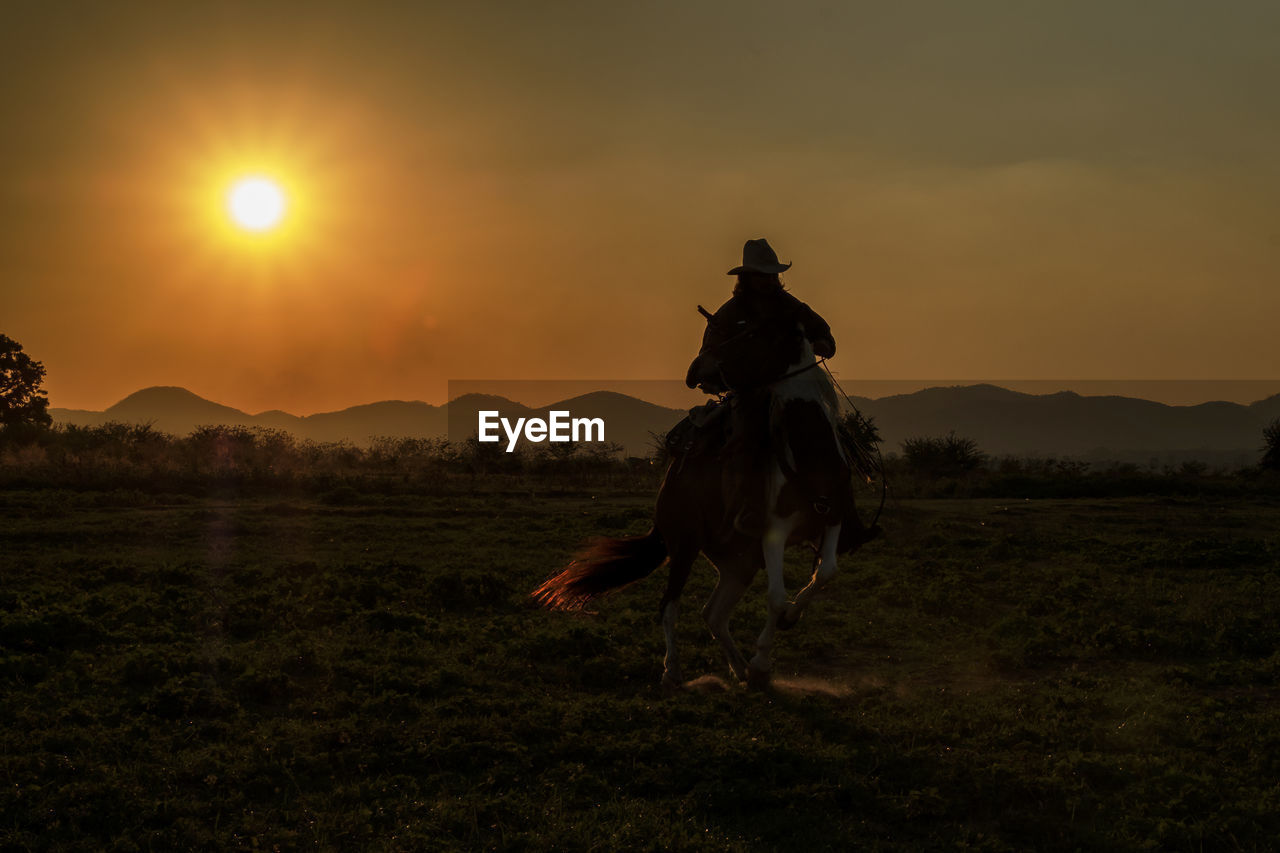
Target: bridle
746, 332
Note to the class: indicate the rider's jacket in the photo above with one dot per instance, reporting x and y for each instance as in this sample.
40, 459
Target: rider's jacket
780, 303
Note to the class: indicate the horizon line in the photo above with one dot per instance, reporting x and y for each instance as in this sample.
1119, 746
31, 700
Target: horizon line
677, 388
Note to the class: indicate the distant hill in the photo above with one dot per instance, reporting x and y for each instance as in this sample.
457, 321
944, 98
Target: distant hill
359, 424
178, 411
630, 422
177, 406
1001, 421
168, 409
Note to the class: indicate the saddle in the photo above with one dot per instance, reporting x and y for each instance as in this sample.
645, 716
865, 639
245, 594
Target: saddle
706, 430
700, 431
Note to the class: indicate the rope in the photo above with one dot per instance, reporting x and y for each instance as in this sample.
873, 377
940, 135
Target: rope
878, 463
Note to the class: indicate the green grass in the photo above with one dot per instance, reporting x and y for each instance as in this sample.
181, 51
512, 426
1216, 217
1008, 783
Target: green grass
365, 672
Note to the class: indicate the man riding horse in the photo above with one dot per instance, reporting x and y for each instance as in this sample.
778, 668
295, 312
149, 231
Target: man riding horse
779, 467
761, 301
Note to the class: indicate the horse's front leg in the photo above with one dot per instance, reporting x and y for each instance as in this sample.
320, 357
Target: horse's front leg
775, 542
672, 680
823, 571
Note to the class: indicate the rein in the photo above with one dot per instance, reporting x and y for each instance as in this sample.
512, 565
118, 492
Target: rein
772, 382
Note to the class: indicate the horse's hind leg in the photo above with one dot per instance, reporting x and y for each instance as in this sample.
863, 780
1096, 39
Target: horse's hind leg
681, 565
775, 542
823, 571
724, 598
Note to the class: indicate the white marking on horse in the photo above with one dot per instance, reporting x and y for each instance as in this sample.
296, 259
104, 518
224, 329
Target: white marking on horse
810, 386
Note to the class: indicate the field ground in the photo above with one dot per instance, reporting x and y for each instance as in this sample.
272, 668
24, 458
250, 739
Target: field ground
358, 671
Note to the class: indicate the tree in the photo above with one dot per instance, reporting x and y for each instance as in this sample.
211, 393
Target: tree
22, 401
1271, 449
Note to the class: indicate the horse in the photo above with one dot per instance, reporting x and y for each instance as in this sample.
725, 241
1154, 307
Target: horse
766, 366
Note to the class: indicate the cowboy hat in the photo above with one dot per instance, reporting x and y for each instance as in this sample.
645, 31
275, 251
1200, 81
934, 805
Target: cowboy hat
759, 256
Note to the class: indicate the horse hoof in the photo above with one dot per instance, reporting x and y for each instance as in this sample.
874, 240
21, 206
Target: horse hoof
786, 622
758, 679
671, 686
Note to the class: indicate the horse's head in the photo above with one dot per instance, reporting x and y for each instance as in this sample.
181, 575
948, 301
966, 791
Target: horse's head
741, 351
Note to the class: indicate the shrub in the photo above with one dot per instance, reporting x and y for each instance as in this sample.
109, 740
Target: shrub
949, 456
1271, 447
862, 435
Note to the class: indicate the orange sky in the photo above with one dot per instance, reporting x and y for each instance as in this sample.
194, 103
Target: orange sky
515, 190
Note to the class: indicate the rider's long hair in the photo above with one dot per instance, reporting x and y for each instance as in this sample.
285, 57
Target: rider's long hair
758, 284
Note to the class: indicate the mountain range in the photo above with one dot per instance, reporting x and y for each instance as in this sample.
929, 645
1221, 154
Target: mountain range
1002, 422
628, 421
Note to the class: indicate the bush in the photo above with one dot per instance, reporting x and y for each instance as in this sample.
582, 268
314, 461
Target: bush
118, 455
949, 456
1271, 447
860, 433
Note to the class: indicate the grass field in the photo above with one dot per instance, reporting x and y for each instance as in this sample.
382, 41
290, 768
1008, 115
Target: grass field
366, 672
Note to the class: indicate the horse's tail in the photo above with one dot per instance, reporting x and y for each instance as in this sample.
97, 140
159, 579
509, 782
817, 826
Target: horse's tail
604, 565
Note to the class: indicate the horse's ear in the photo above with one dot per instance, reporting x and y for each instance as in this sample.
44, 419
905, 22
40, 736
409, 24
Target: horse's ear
705, 313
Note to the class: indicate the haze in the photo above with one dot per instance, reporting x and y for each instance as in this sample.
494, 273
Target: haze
545, 191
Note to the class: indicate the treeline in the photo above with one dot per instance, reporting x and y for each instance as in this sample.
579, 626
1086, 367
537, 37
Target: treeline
138, 456
954, 466
119, 455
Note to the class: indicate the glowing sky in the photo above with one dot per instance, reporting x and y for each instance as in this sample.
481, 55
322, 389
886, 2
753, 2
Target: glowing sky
545, 190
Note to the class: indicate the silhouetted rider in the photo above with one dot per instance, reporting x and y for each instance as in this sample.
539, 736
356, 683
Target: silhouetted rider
747, 451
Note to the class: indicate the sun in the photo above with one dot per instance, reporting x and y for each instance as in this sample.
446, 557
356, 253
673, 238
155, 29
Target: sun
256, 203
